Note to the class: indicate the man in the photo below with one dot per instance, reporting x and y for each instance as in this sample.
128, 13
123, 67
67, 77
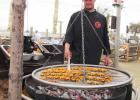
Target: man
95, 36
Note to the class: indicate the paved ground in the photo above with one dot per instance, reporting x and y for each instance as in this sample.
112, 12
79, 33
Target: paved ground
134, 69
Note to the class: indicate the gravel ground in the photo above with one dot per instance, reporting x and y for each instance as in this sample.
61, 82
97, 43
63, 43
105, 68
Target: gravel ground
3, 89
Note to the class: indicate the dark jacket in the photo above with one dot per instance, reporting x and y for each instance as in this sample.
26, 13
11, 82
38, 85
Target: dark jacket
93, 47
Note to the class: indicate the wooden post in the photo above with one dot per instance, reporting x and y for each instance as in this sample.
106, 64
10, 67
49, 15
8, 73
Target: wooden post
16, 61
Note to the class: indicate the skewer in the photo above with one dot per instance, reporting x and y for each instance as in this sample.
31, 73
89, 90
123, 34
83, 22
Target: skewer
68, 65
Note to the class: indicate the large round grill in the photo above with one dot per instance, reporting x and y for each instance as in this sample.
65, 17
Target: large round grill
120, 88
119, 78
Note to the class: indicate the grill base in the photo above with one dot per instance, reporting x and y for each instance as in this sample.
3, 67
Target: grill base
121, 93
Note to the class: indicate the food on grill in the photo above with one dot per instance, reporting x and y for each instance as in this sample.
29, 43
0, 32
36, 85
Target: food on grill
95, 76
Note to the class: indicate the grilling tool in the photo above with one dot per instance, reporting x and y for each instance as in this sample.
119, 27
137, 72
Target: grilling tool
68, 64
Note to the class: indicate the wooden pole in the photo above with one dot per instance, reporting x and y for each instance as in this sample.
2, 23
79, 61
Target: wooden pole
16, 61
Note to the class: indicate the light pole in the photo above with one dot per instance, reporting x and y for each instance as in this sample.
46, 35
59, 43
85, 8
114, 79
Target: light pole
118, 5
60, 27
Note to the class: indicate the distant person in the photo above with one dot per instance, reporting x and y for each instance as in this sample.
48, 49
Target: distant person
36, 36
93, 46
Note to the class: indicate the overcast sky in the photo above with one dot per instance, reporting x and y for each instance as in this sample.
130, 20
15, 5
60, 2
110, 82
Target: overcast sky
40, 12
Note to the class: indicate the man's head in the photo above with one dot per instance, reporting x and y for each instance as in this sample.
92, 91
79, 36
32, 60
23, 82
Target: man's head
89, 4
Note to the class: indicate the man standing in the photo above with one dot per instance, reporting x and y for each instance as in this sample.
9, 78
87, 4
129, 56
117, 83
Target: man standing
95, 36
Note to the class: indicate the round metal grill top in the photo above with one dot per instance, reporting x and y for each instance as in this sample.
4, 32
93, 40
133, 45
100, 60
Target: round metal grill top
120, 78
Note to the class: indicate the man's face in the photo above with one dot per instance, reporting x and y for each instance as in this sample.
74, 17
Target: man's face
89, 4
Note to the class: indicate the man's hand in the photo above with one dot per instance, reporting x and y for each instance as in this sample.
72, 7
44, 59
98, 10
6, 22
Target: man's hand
67, 52
106, 60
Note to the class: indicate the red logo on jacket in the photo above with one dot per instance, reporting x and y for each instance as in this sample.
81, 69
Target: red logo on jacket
98, 24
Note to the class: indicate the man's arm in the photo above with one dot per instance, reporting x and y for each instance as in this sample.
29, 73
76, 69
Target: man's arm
68, 38
106, 43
